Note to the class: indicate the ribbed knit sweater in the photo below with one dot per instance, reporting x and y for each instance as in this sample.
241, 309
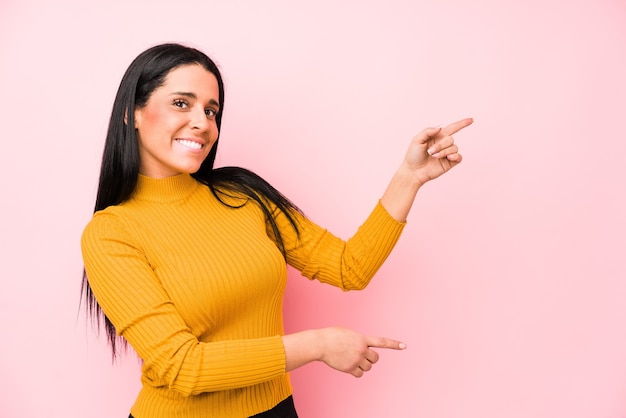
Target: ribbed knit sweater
196, 288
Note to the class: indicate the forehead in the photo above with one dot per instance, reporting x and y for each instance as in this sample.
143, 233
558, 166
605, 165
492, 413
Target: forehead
192, 78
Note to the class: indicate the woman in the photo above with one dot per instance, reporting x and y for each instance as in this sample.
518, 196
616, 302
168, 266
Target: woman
187, 262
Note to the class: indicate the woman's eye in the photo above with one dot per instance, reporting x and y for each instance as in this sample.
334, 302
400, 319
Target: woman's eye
210, 113
180, 103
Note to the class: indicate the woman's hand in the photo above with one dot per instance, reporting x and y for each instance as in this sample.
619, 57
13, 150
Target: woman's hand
433, 152
350, 352
340, 348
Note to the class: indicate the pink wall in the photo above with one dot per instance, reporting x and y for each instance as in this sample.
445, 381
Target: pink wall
509, 282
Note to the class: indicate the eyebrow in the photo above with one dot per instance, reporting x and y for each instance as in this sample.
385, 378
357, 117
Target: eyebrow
191, 95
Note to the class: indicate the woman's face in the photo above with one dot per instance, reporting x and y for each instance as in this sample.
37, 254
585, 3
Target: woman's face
176, 128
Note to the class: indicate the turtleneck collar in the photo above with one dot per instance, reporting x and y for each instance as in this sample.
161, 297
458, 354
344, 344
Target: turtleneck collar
165, 190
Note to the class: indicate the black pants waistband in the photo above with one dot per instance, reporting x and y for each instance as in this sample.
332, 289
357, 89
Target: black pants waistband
285, 409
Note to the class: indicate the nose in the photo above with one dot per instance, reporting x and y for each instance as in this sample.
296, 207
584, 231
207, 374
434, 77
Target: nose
199, 119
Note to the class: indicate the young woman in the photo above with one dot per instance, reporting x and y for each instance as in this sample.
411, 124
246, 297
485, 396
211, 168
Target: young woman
187, 262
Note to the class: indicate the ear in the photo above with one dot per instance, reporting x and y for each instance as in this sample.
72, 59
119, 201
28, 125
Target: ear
137, 117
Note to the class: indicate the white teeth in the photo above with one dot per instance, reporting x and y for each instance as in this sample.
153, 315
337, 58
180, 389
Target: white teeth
189, 144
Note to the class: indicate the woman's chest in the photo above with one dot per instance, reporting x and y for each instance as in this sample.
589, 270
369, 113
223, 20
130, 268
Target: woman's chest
216, 266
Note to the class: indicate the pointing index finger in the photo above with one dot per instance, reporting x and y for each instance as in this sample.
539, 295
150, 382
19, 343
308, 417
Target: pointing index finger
381, 342
457, 126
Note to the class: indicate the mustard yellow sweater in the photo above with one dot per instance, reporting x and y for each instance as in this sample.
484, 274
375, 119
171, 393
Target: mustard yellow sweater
196, 288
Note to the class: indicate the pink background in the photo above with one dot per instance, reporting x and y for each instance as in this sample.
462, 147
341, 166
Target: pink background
508, 284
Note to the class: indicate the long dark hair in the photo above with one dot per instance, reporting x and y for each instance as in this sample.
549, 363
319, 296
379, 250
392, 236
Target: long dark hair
120, 161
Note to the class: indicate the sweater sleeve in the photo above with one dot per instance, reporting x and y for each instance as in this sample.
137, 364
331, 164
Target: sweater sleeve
349, 265
131, 296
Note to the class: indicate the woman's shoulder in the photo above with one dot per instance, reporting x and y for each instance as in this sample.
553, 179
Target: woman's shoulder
107, 222
115, 213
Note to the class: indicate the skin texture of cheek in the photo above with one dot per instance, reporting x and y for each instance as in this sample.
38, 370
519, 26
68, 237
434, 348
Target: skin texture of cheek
147, 120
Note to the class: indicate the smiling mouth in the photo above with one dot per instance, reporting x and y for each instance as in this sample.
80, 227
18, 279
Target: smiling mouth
190, 144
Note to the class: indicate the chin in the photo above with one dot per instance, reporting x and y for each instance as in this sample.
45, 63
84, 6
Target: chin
190, 170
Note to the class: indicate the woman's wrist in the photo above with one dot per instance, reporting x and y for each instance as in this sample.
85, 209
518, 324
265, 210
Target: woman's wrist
410, 176
302, 348
401, 192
